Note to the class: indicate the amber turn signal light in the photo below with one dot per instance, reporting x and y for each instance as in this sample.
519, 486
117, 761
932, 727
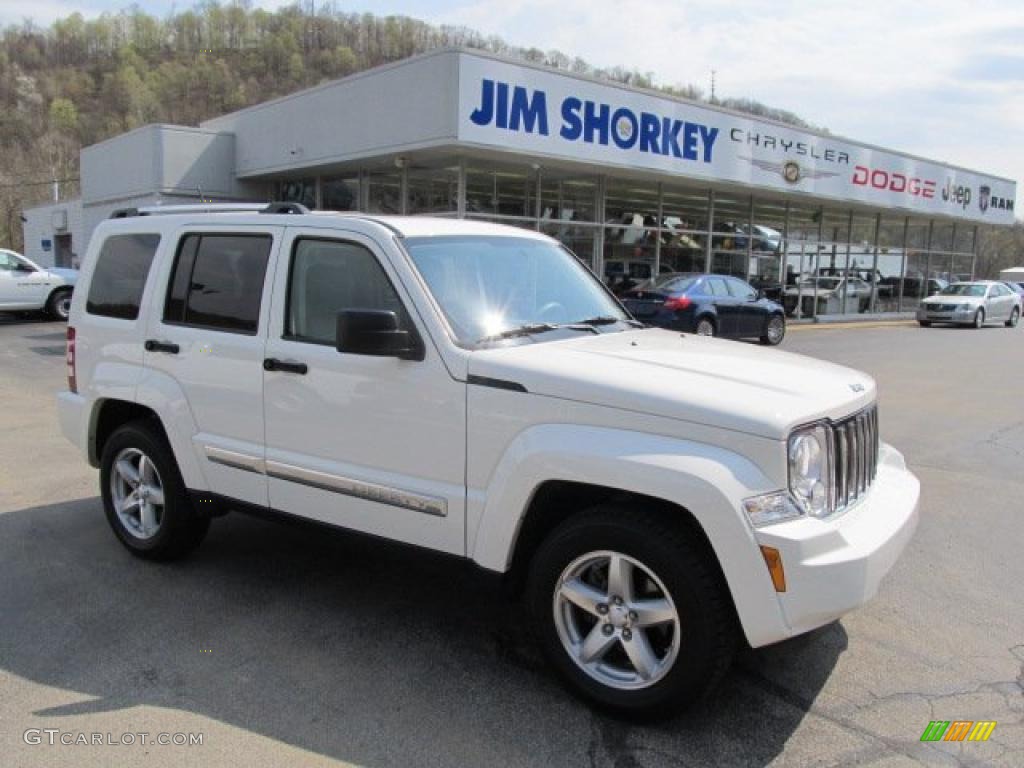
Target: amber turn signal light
773, 560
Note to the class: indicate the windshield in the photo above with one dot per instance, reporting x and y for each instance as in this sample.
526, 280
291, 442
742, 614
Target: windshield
963, 289
488, 285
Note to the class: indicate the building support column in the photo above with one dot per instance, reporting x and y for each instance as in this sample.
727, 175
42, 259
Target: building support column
874, 265
708, 230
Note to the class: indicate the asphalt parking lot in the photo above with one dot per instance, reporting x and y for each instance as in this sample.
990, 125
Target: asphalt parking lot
284, 645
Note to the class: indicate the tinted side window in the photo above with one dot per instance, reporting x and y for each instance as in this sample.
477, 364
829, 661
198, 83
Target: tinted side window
218, 282
741, 290
716, 286
328, 276
120, 275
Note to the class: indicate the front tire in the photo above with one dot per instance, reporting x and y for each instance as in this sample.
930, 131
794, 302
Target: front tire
629, 612
58, 306
924, 323
979, 318
1014, 318
774, 331
706, 327
144, 495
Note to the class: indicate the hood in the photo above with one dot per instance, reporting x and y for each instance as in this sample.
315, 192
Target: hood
720, 383
69, 276
974, 301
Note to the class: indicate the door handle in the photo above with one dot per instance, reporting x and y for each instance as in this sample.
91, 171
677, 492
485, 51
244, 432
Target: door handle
152, 345
273, 364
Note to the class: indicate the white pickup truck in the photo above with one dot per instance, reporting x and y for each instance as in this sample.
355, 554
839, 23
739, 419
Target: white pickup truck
473, 389
26, 287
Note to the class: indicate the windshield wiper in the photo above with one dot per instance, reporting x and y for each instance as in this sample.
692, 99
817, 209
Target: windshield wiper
527, 329
609, 320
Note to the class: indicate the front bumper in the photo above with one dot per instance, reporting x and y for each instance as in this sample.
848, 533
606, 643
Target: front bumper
959, 315
835, 565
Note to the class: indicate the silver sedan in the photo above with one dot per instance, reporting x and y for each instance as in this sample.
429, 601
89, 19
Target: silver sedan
974, 303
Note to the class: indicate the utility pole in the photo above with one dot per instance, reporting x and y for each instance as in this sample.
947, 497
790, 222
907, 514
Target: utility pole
712, 86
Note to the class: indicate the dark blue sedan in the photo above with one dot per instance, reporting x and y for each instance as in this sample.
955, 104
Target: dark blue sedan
708, 305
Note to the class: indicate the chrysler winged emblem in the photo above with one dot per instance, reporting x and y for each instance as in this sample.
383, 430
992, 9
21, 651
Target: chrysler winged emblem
789, 170
857, 387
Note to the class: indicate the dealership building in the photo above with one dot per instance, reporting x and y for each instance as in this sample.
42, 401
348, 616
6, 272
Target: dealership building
634, 182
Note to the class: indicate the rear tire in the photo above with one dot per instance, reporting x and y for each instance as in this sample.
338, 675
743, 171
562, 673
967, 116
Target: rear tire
774, 331
674, 618
144, 496
58, 306
924, 323
1014, 318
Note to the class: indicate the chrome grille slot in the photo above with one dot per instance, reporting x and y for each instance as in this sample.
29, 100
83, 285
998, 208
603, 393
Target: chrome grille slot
855, 457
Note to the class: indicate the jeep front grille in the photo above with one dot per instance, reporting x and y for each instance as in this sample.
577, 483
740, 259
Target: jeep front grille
855, 456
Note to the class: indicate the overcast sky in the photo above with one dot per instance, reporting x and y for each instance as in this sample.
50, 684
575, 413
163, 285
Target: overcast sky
941, 78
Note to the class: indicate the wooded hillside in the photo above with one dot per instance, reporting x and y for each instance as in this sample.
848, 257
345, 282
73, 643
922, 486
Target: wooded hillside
80, 81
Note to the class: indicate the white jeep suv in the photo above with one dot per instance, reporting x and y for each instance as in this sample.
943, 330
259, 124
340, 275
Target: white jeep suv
473, 389
26, 287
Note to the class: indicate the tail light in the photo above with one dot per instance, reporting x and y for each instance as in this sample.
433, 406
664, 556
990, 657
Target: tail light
72, 380
677, 303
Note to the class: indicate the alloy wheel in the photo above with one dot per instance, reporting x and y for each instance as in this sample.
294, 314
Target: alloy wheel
776, 329
137, 493
705, 328
616, 620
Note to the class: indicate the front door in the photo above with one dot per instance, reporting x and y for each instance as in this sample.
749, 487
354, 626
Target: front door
376, 444
22, 286
208, 334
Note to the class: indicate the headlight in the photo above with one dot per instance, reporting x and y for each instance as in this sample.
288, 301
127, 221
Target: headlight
809, 469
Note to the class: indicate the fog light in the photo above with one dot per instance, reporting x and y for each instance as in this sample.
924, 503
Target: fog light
771, 508
773, 560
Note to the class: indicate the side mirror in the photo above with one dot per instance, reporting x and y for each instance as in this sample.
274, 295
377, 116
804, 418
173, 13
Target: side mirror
759, 295
21, 266
375, 332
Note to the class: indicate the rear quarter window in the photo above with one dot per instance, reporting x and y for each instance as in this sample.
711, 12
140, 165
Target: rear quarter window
119, 277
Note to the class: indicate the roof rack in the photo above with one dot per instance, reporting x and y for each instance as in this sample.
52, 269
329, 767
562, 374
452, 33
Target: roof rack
166, 210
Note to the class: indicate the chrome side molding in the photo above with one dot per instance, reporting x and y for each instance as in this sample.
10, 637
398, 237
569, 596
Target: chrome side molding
347, 486
235, 459
359, 489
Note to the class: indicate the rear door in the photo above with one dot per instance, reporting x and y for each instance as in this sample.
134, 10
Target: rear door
208, 333
726, 306
750, 315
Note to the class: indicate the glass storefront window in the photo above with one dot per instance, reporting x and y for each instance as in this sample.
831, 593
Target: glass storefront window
632, 203
917, 234
384, 192
963, 267
964, 240
732, 214
628, 255
942, 237
433, 190
683, 251
835, 225
804, 223
581, 240
302, 191
685, 209
501, 192
567, 199
340, 194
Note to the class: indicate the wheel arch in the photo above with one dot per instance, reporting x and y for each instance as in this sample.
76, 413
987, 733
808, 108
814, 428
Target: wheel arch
695, 487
